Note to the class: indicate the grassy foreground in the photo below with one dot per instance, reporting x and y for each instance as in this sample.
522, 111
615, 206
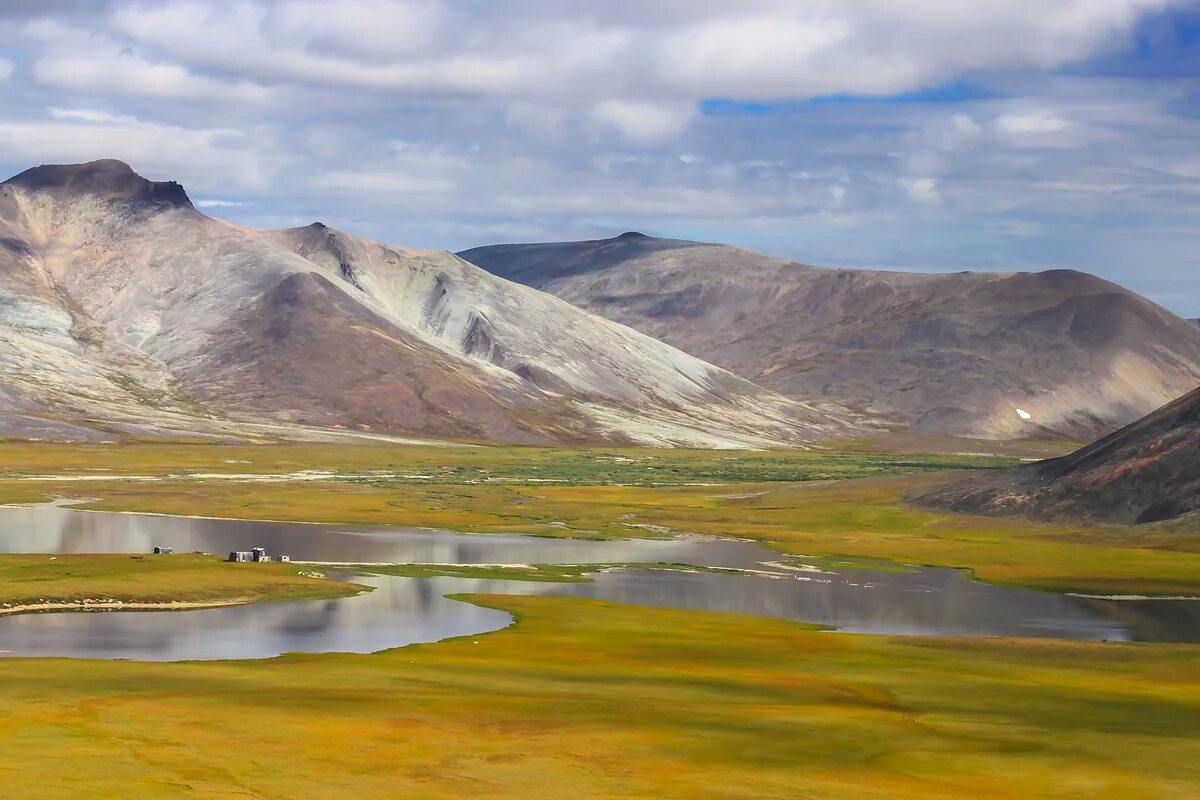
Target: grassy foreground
184, 578
594, 700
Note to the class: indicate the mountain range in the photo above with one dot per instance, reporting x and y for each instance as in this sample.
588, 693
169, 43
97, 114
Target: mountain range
992, 355
123, 303
123, 306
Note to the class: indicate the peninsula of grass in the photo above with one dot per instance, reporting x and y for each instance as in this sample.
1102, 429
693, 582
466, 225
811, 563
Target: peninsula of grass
43, 582
585, 699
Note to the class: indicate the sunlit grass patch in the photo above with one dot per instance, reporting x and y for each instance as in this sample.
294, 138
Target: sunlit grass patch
177, 578
590, 699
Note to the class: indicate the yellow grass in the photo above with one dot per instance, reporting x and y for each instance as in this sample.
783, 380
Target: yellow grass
592, 700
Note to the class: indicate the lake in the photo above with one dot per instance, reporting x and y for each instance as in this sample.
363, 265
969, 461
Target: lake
400, 611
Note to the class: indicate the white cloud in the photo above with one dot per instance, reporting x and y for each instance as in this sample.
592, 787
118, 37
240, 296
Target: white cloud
239, 37
207, 203
951, 132
213, 157
540, 120
90, 115
409, 169
125, 74
679, 51
377, 29
1030, 122
751, 56
922, 190
6, 70
392, 183
645, 122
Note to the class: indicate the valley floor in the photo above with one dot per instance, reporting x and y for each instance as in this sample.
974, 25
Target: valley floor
591, 699
787, 500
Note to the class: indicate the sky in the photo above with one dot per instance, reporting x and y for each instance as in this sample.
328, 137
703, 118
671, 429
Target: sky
920, 135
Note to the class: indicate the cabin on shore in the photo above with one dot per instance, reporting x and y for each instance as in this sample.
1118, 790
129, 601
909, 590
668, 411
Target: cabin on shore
256, 555
163, 551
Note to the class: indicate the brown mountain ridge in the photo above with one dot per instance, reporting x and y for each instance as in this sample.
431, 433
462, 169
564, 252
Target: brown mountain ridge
994, 355
1146, 472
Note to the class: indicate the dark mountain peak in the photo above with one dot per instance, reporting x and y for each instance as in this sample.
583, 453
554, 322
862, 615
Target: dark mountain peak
1077, 279
1148, 471
537, 263
105, 178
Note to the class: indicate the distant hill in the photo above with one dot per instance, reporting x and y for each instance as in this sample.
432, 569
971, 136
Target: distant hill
999, 355
119, 300
1146, 472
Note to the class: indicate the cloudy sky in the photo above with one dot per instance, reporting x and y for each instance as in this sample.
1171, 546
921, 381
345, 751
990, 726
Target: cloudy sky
925, 134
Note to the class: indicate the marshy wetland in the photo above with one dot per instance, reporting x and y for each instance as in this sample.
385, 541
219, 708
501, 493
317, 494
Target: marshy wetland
610, 681
398, 609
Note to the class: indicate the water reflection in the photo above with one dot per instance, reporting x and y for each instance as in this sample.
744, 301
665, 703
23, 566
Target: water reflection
408, 610
397, 612
61, 530
925, 602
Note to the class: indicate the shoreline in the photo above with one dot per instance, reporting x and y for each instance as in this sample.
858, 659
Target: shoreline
73, 505
89, 604
1134, 597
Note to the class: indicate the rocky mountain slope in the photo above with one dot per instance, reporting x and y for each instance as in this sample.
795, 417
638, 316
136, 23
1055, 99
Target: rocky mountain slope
120, 300
1146, 472
999, 355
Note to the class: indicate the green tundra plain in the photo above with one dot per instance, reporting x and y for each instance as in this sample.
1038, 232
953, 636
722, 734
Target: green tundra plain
36, 580
849, 501
591, 699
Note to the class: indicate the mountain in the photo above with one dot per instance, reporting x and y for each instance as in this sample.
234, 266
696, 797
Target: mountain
993, 355
1145, 472
119, 300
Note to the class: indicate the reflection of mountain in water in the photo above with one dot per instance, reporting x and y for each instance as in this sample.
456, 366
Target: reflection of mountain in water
398, 612
1152, 620
60, 530
406, 610
923, 602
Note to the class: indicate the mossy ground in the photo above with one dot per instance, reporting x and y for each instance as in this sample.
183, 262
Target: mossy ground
595, 700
